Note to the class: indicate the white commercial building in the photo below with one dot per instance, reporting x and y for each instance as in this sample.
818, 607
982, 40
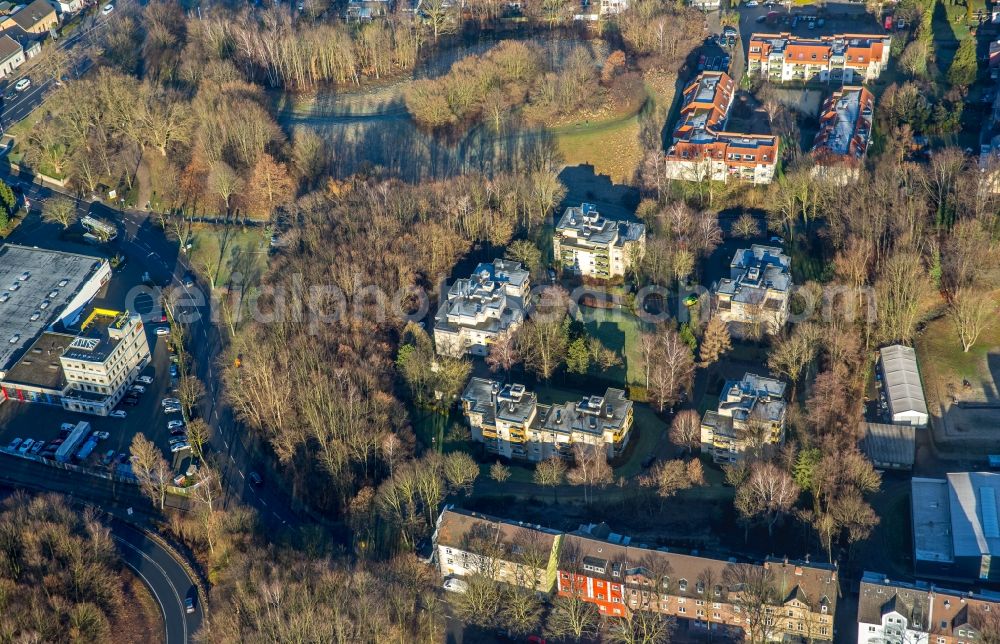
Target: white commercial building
901, 382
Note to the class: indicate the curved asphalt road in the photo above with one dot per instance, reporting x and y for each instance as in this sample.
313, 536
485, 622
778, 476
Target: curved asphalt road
164, 576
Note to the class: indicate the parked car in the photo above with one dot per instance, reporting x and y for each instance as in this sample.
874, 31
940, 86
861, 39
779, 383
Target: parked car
44, 305
172, 410
57, 442
170, 401
107, 9
14, 338
108, 457
179, 431
118, 413
66, 428
752, 3
22, 84
35, 316
14, 286
174, 371
25, 446
146, 380
189, 604
175, 424
455, 585
13, 444
24, 276
162, 330
179, 447
101, 435
4, 297
255, 479
37, 447
139, 389
177, 440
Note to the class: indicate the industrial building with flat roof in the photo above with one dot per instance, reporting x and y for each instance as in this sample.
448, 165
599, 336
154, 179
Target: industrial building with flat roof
956, 530
901, 384
40, 289
889, 447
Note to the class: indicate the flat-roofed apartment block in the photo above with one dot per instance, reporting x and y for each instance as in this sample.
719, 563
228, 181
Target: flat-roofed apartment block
845, 128
495, 298
606, 569
592, 246
750, 418
921, 613
511, 422
901, 385
468, 543
843, 58
956, 526
755, 297
702, 149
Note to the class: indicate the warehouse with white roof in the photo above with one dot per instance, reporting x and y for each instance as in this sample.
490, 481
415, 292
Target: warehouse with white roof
901, 380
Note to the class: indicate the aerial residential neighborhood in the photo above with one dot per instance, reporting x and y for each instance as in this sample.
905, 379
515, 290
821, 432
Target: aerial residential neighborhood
617, 322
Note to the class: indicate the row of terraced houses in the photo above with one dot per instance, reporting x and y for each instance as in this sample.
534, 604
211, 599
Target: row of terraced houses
703, 147
774, 600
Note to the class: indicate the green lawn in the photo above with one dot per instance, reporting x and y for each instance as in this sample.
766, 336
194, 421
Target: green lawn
216, 252
940, 352
612, 147
619, 331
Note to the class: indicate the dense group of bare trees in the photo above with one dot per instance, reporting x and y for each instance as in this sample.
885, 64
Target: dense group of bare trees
494, 87
317, 374
59, 578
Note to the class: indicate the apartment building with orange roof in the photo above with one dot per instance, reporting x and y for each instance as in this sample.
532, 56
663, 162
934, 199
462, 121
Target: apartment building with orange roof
702, 149
843, 58
845, 127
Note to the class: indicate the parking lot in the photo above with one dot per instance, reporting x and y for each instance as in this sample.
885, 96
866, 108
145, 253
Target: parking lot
41, 422
831, 19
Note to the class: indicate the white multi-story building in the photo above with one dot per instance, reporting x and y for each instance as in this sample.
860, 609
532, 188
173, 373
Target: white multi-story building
844, 58
592, 246
757, 292
613, 7
511, 422
702, 149
494, 299
103, 360
892, 612
750, 416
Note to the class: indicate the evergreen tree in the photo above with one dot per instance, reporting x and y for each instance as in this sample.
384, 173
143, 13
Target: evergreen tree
962, 72
578, 356
8, 202
716, 341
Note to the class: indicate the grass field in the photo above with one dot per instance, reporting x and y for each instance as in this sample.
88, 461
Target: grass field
942, 359
619, 331
612, 147
215, 251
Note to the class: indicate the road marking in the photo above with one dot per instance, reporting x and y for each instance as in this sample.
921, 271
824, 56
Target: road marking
241, 475
215, 414
264, 503
232, 459
166, 628
177, 595
226, 442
